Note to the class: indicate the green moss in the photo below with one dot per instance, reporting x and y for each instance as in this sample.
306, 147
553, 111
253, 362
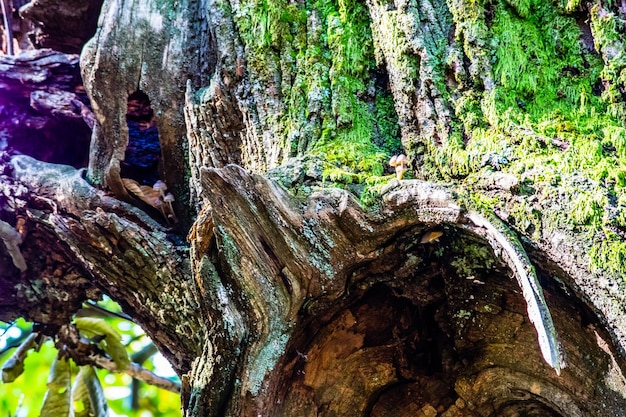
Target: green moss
554, 117
387, 136
608, 33
528, 220
371, 195
348, 142
538, 102
333, 106
609, 254
479, 202
269, 24
470, 258
568, 6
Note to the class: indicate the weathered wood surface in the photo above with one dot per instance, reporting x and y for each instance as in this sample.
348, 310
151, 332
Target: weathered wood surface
111, 78
278, 305
312, 282
79, 241
44, 111
283, 305
62, 25
36, 69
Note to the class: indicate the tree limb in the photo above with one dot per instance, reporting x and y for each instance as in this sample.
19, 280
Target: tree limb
137, 371
538, 311
128, 254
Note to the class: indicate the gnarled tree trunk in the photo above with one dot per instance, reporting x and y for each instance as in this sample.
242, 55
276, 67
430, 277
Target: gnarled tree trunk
276, 292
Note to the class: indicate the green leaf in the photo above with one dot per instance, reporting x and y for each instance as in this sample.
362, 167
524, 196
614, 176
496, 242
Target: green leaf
112, 343
88, 394
58, 400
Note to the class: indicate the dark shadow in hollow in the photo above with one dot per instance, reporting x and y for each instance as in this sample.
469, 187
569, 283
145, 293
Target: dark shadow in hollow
143, 153
450, 321
526, 408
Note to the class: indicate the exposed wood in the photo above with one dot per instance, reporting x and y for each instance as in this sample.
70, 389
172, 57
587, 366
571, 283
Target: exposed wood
45, 110
7, 12
12, 241
115, 246
304, 273
296, 292
300, 301
64, 26
538, 311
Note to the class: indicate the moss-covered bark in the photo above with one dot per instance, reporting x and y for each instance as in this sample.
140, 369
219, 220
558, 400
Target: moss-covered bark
298, 291
519, 103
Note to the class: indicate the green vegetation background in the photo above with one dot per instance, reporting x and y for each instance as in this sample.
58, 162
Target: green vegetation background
24, 397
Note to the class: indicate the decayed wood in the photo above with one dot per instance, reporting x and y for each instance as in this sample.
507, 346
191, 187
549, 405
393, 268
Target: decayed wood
280, 284
117, 247
283, 256
154, 62
33, 69
284, 309
45, 110
286, 263
62, 25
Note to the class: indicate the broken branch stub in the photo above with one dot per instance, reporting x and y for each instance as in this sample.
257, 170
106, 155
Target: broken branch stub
12, 241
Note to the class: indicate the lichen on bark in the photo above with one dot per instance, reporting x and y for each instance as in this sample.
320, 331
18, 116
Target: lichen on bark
515, 104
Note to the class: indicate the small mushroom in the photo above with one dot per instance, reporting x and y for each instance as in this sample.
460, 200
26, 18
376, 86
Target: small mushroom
160, 187
169, 198
399, 162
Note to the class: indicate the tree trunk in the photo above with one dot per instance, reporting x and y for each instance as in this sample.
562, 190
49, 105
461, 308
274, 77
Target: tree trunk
487, 282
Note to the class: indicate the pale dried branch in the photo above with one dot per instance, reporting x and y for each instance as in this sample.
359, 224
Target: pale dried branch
538, 311
12, 240
138, 372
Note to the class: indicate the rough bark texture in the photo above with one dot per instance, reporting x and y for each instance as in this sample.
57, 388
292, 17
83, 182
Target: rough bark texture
64, 26
149, 59
45, 113
106, 244
293, 299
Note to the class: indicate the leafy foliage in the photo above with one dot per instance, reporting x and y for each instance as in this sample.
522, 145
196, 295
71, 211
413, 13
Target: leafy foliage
91, 391
110, 340
14, 366
58, 399
87, 394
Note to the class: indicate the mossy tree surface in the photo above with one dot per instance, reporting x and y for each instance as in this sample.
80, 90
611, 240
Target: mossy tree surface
275, 117
534, 89
530, 94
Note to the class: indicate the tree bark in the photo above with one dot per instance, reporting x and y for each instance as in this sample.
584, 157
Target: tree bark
44, 111
277, 294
